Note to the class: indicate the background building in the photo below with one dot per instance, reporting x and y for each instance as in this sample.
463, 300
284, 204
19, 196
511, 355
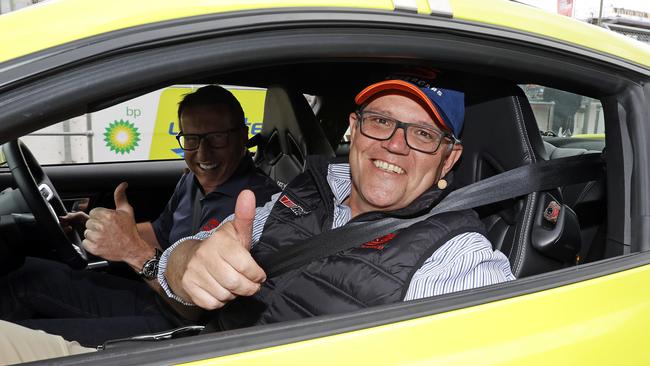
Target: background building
628, 17
11, 5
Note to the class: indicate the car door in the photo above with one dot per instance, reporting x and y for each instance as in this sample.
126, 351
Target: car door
593, 313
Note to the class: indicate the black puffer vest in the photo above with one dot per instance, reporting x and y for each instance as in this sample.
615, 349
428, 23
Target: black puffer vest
374, 273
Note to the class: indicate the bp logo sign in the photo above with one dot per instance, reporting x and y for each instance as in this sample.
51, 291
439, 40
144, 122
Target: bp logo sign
121, 137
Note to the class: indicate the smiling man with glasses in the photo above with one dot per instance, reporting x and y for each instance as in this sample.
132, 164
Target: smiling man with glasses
50, 296
404, 142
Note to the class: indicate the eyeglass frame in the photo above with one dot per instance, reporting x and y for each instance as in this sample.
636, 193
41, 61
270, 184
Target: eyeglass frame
404, 126
201, 136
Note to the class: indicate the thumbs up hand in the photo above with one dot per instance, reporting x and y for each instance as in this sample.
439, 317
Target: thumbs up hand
113, 235
121, 202
215, 271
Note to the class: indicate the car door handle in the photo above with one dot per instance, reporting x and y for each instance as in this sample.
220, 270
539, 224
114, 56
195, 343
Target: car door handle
77, 204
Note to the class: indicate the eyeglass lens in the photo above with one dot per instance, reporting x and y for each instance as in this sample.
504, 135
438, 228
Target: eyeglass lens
192, 142
418, 137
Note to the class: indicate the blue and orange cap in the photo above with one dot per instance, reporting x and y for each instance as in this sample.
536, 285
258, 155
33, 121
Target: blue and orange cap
446, 105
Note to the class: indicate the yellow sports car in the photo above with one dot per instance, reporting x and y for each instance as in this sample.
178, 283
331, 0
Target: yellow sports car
91, 88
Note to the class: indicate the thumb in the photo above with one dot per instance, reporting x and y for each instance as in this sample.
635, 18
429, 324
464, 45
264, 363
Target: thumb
121, 202
244, 215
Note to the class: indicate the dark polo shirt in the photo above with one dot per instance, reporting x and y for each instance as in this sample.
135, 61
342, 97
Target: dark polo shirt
177, 220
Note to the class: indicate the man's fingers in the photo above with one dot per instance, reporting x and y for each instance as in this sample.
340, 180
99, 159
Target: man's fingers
204, 290
235, 281
92, 235
74, 217
203, 299
121, 202
100, 213
244, 264
244, 215
94, 225
89, 245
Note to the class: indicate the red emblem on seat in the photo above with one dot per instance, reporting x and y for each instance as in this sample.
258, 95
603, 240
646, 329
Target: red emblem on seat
379, 242
552, 212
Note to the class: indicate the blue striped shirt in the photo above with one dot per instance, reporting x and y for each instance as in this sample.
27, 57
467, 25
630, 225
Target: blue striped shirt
465, 261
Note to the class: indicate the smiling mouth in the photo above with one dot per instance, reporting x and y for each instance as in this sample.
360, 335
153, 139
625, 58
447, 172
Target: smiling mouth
206, 166
388, 167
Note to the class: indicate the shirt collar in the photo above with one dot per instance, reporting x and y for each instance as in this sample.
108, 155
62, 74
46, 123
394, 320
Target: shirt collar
338, 177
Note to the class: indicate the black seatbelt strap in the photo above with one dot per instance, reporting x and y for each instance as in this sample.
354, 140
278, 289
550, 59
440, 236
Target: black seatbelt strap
540, 176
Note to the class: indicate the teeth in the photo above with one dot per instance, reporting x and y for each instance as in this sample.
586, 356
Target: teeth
388, 167
207, 166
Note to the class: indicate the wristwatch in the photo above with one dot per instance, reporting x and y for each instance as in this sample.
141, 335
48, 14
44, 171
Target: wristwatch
150, 267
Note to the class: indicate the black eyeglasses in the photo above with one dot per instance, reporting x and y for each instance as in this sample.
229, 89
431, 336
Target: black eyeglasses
418, 137
191, 141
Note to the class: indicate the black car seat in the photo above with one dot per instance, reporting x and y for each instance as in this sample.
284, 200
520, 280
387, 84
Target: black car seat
290, 132
587, 200
500, 133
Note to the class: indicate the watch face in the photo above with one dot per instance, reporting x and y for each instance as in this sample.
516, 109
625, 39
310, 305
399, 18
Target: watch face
150, 269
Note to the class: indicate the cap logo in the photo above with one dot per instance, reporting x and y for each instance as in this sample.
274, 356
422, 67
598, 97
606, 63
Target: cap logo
420, 83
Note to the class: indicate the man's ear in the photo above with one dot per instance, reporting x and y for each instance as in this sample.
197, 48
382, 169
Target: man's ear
353, 124
244, 137
452, 158
245, 133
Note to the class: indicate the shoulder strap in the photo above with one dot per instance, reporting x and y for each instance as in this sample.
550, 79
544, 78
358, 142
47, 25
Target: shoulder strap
540, 176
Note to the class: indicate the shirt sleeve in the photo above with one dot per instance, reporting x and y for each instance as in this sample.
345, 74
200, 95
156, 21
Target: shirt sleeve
466, 261
261, 214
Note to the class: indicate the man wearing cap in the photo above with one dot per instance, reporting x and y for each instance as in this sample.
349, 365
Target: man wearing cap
404, 141
403, 144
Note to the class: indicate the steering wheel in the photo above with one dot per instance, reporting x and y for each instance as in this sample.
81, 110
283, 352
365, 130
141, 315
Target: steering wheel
45, 203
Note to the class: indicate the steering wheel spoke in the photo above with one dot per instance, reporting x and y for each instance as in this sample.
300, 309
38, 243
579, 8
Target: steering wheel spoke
44, 202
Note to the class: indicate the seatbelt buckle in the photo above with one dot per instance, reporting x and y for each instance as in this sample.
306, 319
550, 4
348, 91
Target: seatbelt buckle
552, 212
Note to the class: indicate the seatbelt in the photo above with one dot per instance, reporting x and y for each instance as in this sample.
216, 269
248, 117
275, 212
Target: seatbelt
540, 176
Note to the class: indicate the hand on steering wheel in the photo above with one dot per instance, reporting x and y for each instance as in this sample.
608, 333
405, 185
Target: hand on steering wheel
44, 201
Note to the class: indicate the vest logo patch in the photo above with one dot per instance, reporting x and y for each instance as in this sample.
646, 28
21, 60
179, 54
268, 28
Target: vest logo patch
211, 224
378, 243
294, 207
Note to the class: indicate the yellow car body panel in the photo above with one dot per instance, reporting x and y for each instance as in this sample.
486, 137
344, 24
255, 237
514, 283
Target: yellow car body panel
578, 324
600, 136
71, 20
22, 32
514, 15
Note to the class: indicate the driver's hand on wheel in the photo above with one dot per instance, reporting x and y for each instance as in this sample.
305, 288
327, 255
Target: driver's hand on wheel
213, 272
73, 220
113, 235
